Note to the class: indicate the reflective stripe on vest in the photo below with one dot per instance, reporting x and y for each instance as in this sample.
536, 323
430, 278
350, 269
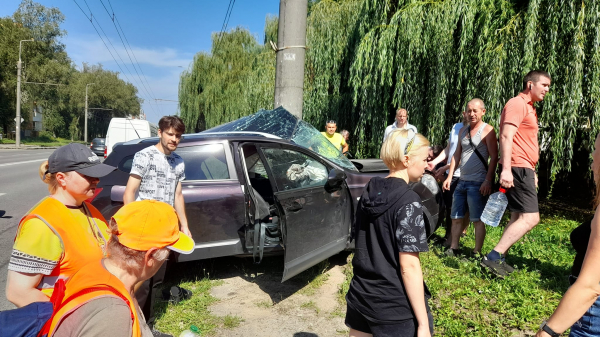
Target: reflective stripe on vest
79, 247
90, 276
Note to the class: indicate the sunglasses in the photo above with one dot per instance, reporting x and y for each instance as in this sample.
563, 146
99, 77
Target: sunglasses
331, 121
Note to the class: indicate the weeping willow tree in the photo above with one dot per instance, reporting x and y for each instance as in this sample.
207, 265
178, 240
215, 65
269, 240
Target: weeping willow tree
365, 58
236, 79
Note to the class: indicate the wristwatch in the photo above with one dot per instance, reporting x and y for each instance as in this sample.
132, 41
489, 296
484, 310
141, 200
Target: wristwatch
548, 330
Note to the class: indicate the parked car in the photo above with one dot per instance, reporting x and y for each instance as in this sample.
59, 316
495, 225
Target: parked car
97, 146
264, 184
124, 129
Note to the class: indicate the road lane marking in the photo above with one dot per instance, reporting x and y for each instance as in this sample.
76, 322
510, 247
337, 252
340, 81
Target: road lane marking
1, 194
23, 162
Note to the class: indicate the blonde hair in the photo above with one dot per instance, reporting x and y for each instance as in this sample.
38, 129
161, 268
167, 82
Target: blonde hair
392, 150
129, 259
48, 178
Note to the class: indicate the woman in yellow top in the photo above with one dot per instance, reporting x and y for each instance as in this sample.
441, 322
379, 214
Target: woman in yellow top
63, 232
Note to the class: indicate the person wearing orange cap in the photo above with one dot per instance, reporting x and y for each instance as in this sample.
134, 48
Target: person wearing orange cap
142, 233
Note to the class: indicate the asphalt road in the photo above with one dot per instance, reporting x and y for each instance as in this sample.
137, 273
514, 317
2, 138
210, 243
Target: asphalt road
20, 189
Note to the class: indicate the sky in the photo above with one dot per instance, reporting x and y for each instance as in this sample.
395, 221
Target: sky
164, 37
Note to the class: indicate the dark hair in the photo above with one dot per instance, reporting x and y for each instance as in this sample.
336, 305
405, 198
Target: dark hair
437, 149
534, 76
174, 122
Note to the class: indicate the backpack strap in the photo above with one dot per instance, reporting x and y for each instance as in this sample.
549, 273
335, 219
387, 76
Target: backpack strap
483, 161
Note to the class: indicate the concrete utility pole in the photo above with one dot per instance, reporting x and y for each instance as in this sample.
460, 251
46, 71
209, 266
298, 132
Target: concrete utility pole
86, 114
18, 119
291, 50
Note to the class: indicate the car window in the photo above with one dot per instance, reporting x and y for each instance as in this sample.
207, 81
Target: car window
293, 169
125, 164
204, 162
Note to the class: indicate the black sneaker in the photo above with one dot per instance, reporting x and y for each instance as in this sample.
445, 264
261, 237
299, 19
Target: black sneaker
495, 266
509, 269
476, 255
156, 333
452, 252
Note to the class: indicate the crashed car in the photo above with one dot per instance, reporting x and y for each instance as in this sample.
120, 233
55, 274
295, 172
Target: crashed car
264, 184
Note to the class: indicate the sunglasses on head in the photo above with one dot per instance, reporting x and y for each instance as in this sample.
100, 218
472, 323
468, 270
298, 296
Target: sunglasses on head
411, 140
331, 121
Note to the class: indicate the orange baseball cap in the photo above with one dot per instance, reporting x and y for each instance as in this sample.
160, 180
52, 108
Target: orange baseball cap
151, 224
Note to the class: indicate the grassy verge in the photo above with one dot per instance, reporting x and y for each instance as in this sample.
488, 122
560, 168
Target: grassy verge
468, 301
42, 141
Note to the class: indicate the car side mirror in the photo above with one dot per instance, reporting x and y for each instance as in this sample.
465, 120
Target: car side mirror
335, 179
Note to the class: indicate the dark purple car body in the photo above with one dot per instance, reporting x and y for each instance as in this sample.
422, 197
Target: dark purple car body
250, 193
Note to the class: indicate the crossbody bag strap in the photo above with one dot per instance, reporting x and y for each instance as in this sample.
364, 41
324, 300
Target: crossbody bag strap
483, 161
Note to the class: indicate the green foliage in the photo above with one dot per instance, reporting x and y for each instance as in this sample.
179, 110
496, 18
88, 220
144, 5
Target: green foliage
365, 58
235, 80
468, 301
45, 61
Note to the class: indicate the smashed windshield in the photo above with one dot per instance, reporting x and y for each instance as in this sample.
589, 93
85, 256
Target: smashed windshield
283, 124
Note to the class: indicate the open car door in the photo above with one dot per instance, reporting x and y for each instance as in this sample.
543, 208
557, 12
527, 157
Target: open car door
315, 207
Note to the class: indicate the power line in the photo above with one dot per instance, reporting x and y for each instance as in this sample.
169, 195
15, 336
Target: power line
225, 23
107, 48
125, 47
115, 22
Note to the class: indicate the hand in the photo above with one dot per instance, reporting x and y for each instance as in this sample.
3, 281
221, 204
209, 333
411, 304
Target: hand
486, 188
439, 174
536, 180
430, 166
186, 231
506, 179
423, 331
446, 184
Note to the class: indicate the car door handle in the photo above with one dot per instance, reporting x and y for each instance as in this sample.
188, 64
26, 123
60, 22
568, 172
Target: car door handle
294, 206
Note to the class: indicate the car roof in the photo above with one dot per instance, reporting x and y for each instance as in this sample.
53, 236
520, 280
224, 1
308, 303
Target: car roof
229, 135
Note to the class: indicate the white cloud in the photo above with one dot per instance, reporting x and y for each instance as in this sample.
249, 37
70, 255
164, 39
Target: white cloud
94, 51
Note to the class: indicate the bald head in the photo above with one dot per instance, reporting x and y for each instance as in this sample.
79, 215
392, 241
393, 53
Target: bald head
475, 103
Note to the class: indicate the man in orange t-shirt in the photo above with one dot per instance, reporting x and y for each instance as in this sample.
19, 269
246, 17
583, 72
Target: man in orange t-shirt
519, 155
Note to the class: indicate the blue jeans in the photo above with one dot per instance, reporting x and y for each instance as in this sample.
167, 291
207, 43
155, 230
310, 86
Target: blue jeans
466, 195
589, 324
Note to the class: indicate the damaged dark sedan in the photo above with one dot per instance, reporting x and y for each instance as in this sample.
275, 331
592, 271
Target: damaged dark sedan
265, 184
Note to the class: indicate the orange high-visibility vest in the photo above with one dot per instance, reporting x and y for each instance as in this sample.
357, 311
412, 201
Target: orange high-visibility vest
92, 276
79, 246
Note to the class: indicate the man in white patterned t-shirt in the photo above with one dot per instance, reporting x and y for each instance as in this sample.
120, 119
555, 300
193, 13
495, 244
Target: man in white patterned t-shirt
156, 173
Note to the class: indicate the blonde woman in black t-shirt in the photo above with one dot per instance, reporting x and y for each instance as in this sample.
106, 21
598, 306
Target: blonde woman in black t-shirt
387, 295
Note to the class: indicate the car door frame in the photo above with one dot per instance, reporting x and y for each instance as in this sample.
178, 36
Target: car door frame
336, 245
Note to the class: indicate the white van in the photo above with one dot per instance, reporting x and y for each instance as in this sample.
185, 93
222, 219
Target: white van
125, 129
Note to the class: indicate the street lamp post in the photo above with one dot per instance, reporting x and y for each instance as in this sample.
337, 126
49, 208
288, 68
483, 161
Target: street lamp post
18, 119
86, 113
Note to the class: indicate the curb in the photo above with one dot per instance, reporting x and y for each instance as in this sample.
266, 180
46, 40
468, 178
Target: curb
26, 147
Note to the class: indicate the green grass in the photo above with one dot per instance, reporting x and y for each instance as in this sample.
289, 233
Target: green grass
468, 301
310, 305
316, 277
264, 304
174, 319
231, 322
42, 141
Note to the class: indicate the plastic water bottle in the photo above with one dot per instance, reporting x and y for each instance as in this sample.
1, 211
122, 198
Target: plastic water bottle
494, 209
192, 332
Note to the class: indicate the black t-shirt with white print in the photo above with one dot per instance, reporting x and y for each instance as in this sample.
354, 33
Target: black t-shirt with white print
389, 220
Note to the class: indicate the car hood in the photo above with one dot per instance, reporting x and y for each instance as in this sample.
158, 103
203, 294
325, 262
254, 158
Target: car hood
281, 123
